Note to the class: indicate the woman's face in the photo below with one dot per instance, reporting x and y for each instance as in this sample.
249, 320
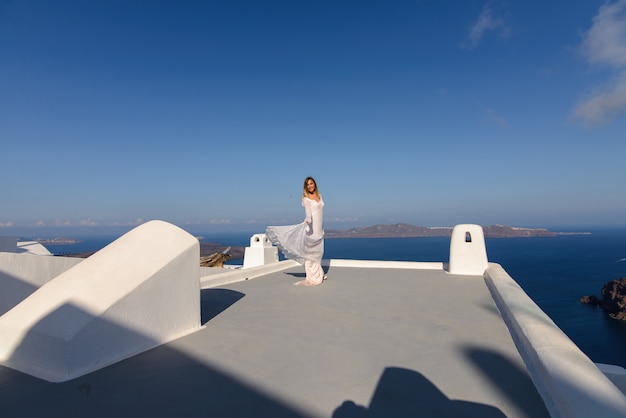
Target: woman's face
310, 186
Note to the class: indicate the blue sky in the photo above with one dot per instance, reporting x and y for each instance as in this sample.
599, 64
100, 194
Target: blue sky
210, 114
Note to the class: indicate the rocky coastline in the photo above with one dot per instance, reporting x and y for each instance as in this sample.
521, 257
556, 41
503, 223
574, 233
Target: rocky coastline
612, 299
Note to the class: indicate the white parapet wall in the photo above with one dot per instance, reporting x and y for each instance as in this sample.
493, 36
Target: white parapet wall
140, 291
22, 274
32, 247
228, 276
8, 244
570, 384
468, 253
12, 245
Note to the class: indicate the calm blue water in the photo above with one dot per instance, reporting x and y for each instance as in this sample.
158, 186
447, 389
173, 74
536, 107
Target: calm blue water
555, 272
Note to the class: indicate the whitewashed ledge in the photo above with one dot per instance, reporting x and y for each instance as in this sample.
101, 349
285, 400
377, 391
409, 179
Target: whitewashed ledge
208, 277
213, 276
468, 256
377, 264
570, 384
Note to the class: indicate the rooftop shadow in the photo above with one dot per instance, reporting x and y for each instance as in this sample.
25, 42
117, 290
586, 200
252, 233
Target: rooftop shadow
303, 274
299, 275
160, 382
507, 377
14, 290
215, 301
407, 393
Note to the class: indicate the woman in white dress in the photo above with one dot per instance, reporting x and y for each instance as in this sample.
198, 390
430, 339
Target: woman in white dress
304, 242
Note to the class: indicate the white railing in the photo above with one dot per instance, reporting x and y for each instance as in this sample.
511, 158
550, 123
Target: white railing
570, 384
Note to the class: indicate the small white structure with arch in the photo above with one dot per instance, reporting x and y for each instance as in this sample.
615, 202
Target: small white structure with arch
260, 252
468, 253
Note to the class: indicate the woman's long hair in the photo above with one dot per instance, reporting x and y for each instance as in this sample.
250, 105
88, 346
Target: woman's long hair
305, 193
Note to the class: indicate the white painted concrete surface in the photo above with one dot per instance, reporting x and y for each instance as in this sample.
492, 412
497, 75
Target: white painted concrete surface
140, 291
262, 353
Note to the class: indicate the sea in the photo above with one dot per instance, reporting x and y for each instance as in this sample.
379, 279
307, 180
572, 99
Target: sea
554, 271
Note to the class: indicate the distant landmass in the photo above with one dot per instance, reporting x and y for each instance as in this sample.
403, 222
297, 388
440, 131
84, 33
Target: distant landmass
402, 230
206, 249
57, 241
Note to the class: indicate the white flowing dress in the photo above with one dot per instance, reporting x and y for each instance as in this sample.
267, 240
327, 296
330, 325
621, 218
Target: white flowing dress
303, 242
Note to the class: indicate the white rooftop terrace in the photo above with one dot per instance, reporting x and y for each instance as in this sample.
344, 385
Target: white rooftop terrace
375, 339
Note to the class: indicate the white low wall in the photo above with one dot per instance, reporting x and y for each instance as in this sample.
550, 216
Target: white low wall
140, 291
32, 247
567, 380
8, 244
12, 245
384, 264
239, 275
214, 277
22, 274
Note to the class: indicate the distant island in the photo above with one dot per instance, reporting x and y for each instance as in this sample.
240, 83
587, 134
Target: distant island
402, 230
57, 241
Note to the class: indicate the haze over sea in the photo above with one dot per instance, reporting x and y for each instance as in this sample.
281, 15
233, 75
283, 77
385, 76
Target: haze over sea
554, 271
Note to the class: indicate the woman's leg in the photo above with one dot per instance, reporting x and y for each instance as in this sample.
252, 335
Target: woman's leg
314, 274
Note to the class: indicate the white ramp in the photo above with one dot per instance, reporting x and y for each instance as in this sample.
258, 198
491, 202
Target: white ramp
138, 292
